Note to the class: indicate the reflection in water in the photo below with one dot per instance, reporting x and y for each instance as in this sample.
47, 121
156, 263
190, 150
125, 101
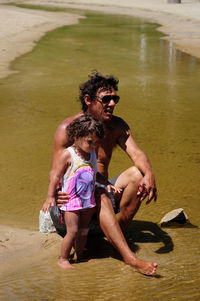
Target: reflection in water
143, 48
171, 57
159, 89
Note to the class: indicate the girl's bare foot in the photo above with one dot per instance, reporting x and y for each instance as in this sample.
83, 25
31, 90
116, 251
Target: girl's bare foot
144, 267
81, 259
64, 263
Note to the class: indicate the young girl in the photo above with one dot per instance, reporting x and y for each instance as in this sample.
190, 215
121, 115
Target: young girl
77, 166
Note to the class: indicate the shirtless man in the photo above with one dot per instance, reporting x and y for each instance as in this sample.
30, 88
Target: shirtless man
98, 98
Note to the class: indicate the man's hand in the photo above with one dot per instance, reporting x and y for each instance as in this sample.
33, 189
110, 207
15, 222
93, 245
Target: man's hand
62, 197
147, 187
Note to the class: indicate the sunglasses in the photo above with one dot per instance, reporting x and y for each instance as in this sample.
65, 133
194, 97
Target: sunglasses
107, 98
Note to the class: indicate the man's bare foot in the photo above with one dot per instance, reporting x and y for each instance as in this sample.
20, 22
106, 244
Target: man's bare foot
65, 264
144, 267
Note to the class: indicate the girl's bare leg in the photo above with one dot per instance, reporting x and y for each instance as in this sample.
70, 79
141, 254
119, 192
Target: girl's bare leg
72, 222
81, 238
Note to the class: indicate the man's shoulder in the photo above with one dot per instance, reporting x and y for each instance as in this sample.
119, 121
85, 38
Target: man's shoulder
68, 120
119, 123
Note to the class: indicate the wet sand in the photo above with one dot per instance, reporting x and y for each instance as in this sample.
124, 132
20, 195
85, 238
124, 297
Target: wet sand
21, 27
19, 248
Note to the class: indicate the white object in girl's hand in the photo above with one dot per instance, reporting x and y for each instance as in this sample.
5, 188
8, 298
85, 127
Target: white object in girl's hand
45, 223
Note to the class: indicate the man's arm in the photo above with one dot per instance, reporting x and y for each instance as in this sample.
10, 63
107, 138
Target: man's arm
61, 140
140, 160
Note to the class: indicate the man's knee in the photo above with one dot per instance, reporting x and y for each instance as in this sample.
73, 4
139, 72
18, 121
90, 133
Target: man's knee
130, 176
134, 174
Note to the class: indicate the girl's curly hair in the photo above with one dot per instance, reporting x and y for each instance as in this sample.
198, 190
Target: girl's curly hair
96, 81
83, 126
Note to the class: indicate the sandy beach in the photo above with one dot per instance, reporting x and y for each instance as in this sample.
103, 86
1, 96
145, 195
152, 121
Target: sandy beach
25, 247
20, 28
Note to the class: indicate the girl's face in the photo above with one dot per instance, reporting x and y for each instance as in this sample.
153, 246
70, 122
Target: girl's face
87, 143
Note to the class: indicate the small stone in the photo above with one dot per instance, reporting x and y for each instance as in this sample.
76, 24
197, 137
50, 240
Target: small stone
174, 216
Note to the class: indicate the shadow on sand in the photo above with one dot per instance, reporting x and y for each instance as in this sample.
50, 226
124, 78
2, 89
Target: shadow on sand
148, 232
138, 232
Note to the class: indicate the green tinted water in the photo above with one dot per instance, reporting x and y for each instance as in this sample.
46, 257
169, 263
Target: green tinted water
159, 89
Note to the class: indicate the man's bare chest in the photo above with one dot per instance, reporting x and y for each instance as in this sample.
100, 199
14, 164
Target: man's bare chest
106, 147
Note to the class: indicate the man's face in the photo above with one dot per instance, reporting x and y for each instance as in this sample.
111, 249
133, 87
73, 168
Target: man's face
103, 105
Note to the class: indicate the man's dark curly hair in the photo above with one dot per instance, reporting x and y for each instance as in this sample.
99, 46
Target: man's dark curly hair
83, 126
96, 81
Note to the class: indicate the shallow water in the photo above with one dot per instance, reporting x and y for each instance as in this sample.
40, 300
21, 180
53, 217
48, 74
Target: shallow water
159, 89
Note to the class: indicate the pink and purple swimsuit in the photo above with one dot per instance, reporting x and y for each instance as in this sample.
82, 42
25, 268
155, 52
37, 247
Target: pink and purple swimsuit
79, 182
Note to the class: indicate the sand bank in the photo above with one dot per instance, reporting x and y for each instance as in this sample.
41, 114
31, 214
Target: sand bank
20, 248
181, 22
21, 27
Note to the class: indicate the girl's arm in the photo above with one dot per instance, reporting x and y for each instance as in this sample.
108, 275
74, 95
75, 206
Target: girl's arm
62, 164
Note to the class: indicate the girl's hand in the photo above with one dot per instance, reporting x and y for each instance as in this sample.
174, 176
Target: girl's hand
114, 189
48, 203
